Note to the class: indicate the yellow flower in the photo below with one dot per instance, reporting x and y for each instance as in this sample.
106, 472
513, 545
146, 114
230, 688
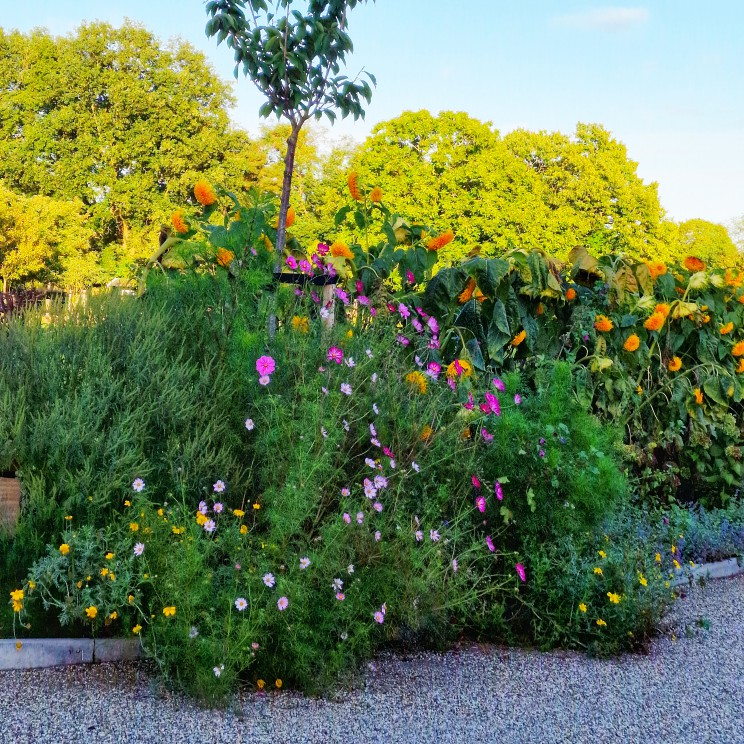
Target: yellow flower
127, 503
225, 257
133, 526
201, 519
113, 615
109, 556
301, 324
465, 369
349, 333
698, 396
740, 368
603, 324
675, 365
161, 512
68, 518
656, 268
521, 336
178, 530
341, 250
257, 506
104, 572
243, 529
657, 557
639, 390
169, 611
64, 548
278, 684
136, 629
655, 322
676, 564
642, 580
112, 576
204, 193
91, 612
426, 433
614, 598
602, 554
416, 379
17, 606
663, 309
582, 607
79, 584
738, 349
441, 240
239, 513
130, 598
375, 195
598, 571
352, 181
632, 343
31, 584
601, 622
260, 684
178, 222
16, 595
726, 329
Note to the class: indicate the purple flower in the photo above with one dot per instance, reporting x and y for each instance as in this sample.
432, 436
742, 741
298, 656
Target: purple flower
218, 487
492, 403
517, 400
541, 453
343, 296
346, 388
347, 518
379, 617
218, 508
269, 580
210, 525
377, 506
404, 311
487, 437
433, 369
416, 323
497, 490
402, 340
498, 384
419, 535
139, 548
489, 542
378, 536
433, 326
345, 492
434, 535
282, 603
410, 278
335, 355
480, 502
291, 262
519, 568
360, 517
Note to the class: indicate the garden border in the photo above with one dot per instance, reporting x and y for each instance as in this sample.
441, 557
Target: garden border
35, 653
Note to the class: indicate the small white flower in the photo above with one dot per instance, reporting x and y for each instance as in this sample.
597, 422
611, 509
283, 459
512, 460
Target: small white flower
337, 585
344, 636
350, 568
346, 388
240, 604
378, 536
369, 353
370, 463
416, 467
372, 430
419, 536
249, 424
218, 670
346, 425
210, 525
219, 487
325, 313
269, 580
139, 548
304, 563
349, 361
193, 632
324, 432
325, 390
138, 485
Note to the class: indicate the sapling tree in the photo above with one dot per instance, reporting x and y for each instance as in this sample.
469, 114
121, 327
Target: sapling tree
293, 51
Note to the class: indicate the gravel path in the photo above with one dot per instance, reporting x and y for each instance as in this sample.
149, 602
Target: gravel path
686, 690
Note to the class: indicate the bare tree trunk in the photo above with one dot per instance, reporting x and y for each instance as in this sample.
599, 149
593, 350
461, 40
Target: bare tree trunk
281, 232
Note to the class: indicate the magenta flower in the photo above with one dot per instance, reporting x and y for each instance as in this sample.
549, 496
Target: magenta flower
474, 480
305, 266
519, 568
410, 278
335, 355
493, 404
489, 542
282, 604
487, 436
378, 536
434, 535
517, 400
347, 518
470, 404
499, 493
343, 296
292, 262
404, 311
433, 326
480, 502
379, 617
417, 325
402, 340
265, 365
340, 596
264, 380
322, 249
498, 384
433, 369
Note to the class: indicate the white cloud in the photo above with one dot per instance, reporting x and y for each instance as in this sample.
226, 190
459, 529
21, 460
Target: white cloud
604, 19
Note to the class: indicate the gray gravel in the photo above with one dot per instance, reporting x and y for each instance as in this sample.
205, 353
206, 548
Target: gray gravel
688, 689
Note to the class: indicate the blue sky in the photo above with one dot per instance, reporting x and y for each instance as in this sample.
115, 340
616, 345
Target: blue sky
666, 77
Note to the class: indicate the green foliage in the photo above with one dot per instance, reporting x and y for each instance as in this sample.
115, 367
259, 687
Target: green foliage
710, 242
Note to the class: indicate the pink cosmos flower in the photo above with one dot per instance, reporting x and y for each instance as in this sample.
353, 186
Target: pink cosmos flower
489, 542
470, 404
265, 365
372, 430
433, 369
210, 525
322, 249
433, 326
370, 463
434, 535
480, 502
240, 604
474, 480
346, 388
451, 383
419, 535
402, 340
255, 646
434, 343
487, 436
269, 580
304, 563
249, 424
264, 380
305, 266
454, 565
375, 441
493, 404
369, 489
218, 487
379, 617
498, 384
347, 518
138, 484
360, 517
517, 400
417, 325
282, 604
291, 262
340, 596
381, 482
519, 568
203, 508
343, 296
218, 508
404, 311
388, 452
378, 536
139, 548
345, 492
497, 490
377, 506
335, 355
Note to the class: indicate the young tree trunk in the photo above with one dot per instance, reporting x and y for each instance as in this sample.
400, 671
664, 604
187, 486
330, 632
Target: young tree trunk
281, 232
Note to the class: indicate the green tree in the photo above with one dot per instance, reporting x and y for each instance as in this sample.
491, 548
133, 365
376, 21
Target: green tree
294, 58
44, 240
708, 241
118, 120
